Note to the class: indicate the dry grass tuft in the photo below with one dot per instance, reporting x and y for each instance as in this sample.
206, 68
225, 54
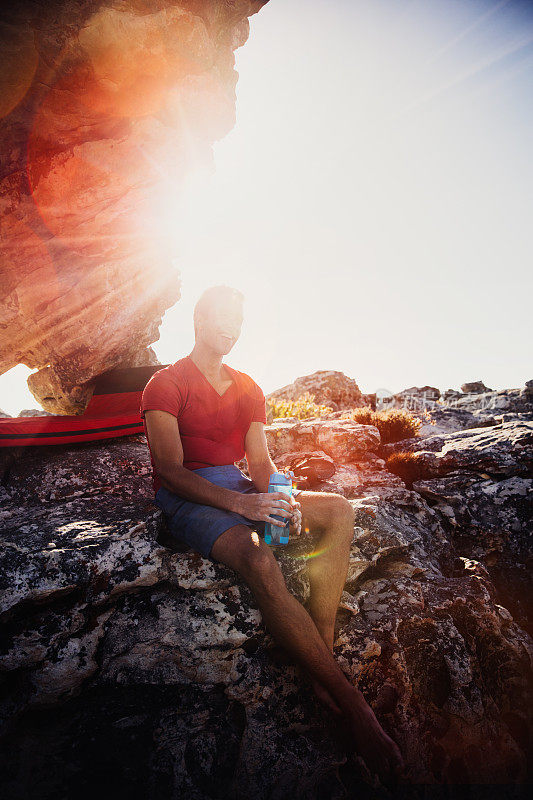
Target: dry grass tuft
407, 466
394, 424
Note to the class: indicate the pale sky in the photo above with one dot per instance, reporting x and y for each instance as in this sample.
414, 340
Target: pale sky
373, 201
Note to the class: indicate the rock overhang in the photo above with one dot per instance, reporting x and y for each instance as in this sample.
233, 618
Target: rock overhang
108, 107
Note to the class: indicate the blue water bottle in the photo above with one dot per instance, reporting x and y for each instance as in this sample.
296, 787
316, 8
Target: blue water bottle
274, 534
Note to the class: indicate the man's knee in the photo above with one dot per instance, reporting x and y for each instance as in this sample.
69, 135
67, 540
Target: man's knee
259, 568
327, 511
339, 511
343, 509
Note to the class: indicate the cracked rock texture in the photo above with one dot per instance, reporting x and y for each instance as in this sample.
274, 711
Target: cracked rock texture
132, 663
107, 108
480, 481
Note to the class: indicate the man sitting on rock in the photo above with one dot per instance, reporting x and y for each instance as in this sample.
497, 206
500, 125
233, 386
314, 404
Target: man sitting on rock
200, 417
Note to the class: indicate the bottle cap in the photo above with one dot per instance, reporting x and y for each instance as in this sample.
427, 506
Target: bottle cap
280, 478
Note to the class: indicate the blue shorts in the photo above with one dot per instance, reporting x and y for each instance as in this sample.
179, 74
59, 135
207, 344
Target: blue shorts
198, 525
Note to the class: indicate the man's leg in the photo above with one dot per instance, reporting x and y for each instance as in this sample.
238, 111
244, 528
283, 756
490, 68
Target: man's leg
332, 516
292, 627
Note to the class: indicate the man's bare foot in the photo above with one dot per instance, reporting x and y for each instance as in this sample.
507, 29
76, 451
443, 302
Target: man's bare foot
379, 752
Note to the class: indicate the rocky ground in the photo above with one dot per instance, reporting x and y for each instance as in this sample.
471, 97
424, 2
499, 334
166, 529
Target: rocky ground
131, 665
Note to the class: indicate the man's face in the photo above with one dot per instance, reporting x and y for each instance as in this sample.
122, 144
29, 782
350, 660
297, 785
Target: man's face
221, 328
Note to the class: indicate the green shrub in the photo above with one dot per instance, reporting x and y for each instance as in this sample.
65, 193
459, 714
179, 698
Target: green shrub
393, 425
302, 408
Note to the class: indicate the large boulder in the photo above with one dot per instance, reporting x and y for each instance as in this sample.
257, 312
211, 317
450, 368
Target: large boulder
421, 392
137, 665
451, 394
342, 439
328, 388
475, 387
106, 107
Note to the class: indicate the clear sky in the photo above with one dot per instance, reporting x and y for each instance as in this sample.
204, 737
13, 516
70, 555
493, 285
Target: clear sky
374, 200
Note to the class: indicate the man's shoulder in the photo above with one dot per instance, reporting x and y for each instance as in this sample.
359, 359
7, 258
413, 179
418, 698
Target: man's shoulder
246, 380
170, 375
167, 390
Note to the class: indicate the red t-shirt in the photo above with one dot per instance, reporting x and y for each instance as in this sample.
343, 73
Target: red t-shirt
212, 427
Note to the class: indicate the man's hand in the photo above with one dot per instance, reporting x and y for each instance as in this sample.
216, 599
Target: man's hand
296, 518
261, 507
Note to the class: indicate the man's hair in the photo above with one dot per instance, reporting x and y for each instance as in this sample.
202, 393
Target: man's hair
214, 297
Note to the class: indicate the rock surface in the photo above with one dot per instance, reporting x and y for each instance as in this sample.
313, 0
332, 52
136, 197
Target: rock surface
131, 663
474, 406
480, 482
505, 449
491, 523
476, 387
107, 109
426, 392
342, 439
449, 420
328, 388
482, 400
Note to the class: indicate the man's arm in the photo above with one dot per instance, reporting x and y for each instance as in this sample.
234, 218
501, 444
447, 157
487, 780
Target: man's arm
260, 465
167, 451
